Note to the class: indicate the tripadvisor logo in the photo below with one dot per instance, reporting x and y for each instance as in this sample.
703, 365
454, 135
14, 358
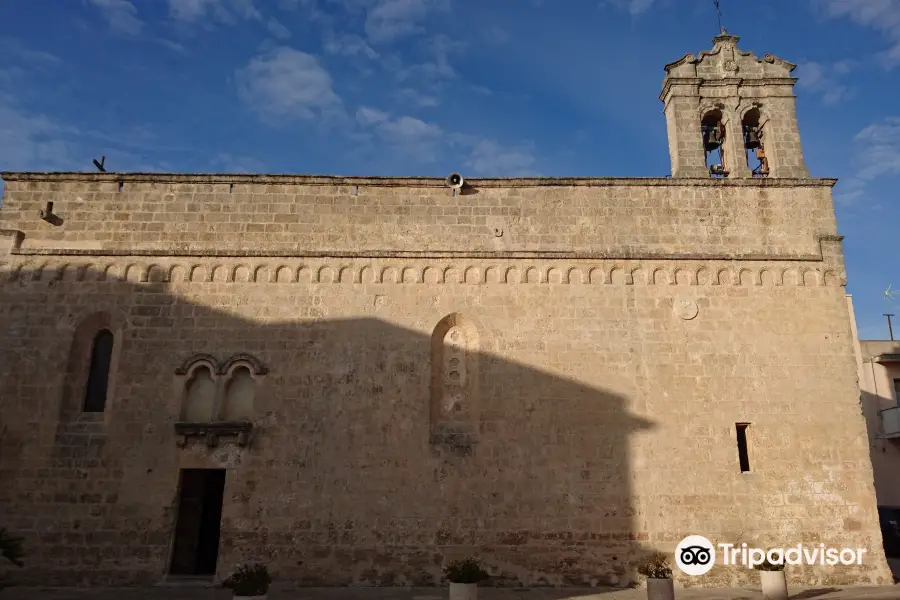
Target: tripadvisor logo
695, 555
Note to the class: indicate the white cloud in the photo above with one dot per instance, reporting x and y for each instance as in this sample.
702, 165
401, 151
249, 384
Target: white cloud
223, 10
881, 149
371, 116
878, 156
823, 79
13, 51
189, 10
424, 142
637, 7
277, 29
230, 12
436, 69
348, 45
34, 141
409, 129
228, 163
31, 141
174, 46
287, 83
496, 35
634, 7
404, 135
882, 15
121, 16
416, 98
490, 158
389, 20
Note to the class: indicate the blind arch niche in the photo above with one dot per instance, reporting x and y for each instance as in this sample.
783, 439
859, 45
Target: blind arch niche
454, 378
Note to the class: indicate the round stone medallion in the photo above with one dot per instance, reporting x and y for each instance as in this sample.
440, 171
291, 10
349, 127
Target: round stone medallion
686, 309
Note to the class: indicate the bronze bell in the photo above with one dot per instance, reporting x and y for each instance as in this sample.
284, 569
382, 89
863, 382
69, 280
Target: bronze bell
711, 138
751, 138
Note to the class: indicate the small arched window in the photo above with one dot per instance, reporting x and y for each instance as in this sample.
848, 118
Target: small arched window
98, 374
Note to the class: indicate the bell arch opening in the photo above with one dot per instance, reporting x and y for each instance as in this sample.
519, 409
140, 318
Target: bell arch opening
712, 128
753, 143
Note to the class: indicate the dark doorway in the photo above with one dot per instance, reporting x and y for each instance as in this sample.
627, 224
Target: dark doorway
196, 549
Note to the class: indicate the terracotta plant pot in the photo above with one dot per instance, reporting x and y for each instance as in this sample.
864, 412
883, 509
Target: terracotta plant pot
660, 589
774, 585
463, 591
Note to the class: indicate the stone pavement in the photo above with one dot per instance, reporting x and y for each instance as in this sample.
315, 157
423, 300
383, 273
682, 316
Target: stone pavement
361, 593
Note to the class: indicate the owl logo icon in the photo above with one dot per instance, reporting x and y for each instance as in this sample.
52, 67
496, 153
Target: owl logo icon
695, 555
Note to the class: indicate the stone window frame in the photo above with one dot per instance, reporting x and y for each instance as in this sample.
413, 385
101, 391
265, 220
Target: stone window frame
221, 373
79, 363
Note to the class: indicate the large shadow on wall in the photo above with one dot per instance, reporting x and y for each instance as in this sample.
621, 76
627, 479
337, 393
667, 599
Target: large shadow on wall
377, 452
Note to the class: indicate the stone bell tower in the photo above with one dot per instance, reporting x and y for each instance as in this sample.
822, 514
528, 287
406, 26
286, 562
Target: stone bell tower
731, 114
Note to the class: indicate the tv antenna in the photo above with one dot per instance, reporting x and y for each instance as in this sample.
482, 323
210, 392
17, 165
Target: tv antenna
719, 15
888, 299
99, 164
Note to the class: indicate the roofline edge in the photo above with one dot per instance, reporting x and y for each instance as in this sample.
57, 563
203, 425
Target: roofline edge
425, 182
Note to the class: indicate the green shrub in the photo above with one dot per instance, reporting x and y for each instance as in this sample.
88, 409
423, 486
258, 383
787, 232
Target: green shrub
249, 580
656, 567
766, 565
467, 570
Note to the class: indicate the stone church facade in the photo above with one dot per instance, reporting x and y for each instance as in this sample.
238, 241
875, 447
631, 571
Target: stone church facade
354, 379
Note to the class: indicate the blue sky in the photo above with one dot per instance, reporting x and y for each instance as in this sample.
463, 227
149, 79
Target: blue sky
426, 87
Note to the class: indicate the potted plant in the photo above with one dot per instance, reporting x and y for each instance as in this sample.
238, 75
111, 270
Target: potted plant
249, 581
659, 577
464, 576
772, 580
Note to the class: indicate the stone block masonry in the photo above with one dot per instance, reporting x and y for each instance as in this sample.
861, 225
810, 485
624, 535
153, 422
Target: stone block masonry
545, 373
257, 215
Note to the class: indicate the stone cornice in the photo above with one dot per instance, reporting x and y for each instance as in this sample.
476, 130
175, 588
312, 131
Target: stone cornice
670, 82
410, 182
697, 82
437, 254
744, 82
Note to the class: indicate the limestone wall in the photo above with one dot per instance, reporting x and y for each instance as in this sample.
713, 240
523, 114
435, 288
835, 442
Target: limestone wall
595, 416
611, 217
